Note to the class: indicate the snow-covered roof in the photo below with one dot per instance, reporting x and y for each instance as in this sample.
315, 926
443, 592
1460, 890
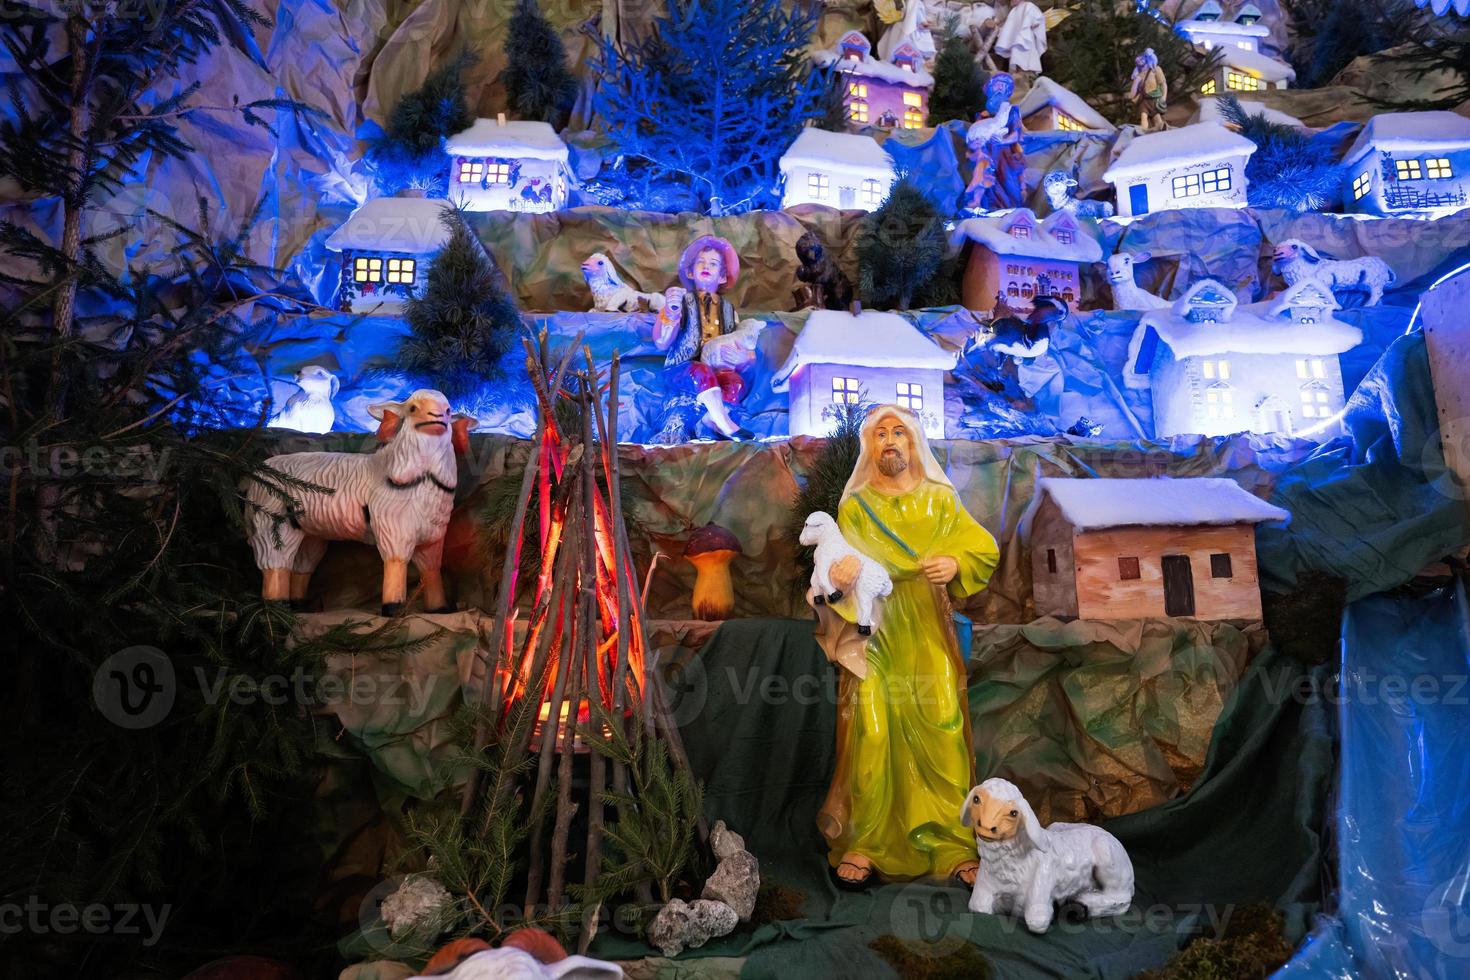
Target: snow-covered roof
1095, 504
414, 225
1260, 65
1209, 111
872, 67
1192, 27
513, 138
1256, 328
869, 339
1045, 92
845, 152
1200, 143
1411, 132
994, 232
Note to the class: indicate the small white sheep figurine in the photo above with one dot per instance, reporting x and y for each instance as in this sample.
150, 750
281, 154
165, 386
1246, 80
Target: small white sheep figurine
821, 531
1127, 294
398, 498
1028, 868
1060, 188
1296, 260
609, 293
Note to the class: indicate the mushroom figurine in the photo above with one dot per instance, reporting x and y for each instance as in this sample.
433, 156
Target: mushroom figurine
710, 550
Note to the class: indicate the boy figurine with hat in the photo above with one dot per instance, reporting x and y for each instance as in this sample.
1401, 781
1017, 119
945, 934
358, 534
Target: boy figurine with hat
711, 347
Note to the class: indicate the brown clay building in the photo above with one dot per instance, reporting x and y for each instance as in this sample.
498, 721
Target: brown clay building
1130, 549
1016, 257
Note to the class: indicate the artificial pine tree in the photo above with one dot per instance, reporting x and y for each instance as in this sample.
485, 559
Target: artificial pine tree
537, 83
410, 153
465, 321
1289, 169
959, 85
712, 97
900, 248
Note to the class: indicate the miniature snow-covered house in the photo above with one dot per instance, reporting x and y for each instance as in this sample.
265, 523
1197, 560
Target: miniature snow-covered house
497, 165
842, 170
1216, 368
1199, 166
1052, 107
1247, 70
892, 94
844, 358
1136, 548
386, 245
1405, 162
1015, 257
1211, 27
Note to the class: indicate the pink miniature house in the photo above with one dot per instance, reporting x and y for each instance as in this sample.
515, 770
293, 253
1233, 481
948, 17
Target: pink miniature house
892, 94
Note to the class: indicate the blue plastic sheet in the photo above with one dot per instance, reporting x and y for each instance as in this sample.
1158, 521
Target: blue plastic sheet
1402, 827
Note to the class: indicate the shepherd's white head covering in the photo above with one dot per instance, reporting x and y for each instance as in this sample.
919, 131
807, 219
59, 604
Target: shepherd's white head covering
922, 457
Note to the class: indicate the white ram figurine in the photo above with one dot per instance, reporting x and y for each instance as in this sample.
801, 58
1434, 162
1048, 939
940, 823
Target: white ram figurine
821, 532
609, 293
1127, 294
1026, 868
398, 498
1295, 260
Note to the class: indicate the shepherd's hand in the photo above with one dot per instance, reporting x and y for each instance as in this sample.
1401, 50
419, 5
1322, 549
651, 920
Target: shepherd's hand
941, 569
844, 573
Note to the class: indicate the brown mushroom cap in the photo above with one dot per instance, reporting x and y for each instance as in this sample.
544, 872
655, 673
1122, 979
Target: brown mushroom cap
710, 539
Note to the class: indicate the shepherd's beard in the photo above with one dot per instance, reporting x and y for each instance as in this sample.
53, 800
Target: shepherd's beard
892, 465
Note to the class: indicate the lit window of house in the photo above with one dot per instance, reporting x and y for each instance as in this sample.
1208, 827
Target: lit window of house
1215, 181
1239, 81
1314, 403
911, 396
845, 391
1220, 402
1020, 230
858, 111
471, 171
1362, 184
912, 119
1064, 236
1407, 170
498, 173
367, 269
1438, 168
817, 185
1186, 185
1068, 124
858, 90
872, 192
401, 271
1311, 367
1208, 88
1214, 370
913, 99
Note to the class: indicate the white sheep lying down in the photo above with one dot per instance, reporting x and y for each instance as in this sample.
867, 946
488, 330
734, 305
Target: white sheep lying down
1027, 868
821, 531
398, 498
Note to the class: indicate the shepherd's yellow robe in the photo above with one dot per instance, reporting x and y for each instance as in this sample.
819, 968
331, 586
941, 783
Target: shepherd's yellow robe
904, 759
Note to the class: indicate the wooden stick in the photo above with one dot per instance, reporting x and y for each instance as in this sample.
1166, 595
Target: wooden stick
598, 780
622, 561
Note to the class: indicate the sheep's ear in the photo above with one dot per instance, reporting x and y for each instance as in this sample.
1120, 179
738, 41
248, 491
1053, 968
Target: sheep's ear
389, 423
385, 408
460, 429
967, 812
336, 386
1031, 827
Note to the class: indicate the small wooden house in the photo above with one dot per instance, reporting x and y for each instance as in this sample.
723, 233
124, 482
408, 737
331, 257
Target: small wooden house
1408, 162
1017, 257
850, 171
497, 165
1247, 70
843, 358
1130, 549
1199, 166
386, 246
890, 94
1052, 107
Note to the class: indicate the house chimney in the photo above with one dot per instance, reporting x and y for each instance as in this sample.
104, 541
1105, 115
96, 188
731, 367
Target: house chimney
500, 119
857, 307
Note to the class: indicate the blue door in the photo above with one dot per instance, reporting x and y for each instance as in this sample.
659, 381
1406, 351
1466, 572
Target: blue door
1138, 199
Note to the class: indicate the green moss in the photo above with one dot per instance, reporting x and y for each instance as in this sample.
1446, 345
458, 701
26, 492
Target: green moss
964, 963
1252, 948
1306, 622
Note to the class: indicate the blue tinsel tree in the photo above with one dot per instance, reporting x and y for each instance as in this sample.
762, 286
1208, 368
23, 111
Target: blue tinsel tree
712, 97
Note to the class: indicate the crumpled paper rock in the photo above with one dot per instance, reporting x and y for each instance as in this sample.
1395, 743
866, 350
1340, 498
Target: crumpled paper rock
416, 905
682, 925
